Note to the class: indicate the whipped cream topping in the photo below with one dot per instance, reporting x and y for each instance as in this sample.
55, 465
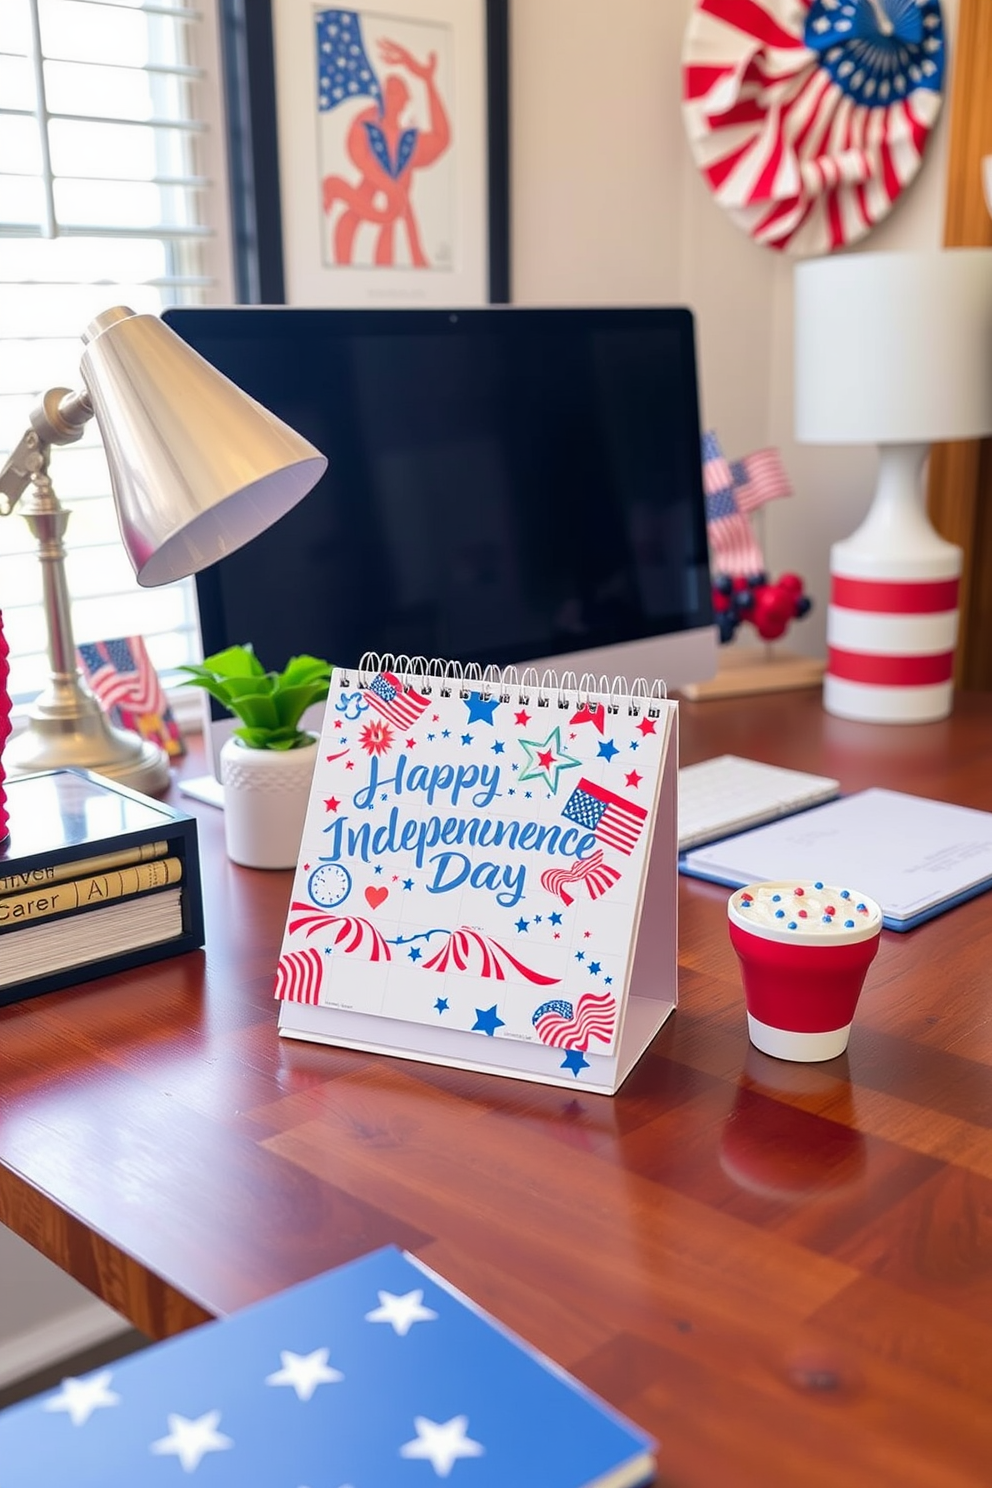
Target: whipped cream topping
807, 911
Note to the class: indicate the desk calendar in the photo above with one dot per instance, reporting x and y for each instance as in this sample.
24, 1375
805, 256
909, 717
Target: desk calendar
487, 874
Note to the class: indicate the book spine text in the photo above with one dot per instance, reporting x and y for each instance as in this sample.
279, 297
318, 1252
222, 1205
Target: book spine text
37, 878
83, 893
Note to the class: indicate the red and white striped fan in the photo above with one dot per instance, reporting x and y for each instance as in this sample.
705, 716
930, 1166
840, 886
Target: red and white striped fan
808, 118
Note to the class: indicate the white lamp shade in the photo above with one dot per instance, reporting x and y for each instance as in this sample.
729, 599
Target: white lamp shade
894, 347
198, 468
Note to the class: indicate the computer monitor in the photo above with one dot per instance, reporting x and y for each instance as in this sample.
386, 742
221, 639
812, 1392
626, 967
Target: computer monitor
505, 485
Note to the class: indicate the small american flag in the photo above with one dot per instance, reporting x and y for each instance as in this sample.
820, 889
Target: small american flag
298, 976
121, 675
385, 693
612, 820
758, 478
733, 546
563, 1026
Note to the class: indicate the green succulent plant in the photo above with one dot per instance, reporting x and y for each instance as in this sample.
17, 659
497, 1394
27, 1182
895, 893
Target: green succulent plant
269, 704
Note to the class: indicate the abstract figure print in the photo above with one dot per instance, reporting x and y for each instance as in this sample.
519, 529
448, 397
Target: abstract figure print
384, 130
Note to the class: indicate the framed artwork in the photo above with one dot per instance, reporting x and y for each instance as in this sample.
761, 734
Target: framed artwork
391, 151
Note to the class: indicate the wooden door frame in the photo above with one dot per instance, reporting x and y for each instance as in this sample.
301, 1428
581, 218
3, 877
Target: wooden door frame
960, 479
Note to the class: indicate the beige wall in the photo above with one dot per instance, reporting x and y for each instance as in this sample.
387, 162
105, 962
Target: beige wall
607, 207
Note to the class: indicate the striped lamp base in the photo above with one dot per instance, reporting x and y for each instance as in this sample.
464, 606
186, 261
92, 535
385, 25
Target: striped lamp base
890, 648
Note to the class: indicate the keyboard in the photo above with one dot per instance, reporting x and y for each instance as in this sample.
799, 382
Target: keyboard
729, 794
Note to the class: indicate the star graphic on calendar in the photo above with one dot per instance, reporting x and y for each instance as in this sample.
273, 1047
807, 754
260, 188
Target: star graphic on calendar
546, 759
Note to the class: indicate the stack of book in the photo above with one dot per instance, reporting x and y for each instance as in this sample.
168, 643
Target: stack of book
95, 878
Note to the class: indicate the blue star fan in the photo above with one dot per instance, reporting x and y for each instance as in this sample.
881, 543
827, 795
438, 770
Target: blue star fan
878, 51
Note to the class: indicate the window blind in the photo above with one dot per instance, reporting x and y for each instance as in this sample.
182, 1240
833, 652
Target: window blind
112, 191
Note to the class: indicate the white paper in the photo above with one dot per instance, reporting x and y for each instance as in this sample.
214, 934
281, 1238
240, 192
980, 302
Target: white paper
908, 853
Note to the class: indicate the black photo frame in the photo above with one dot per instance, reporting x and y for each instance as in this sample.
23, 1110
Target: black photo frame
252, 142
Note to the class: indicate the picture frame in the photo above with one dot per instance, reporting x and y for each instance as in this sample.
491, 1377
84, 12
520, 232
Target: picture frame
395, 195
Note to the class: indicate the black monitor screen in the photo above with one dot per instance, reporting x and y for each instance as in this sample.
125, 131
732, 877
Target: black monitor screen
503, 484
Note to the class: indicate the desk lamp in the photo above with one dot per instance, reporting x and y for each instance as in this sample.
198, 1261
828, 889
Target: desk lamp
197, 469
893, 349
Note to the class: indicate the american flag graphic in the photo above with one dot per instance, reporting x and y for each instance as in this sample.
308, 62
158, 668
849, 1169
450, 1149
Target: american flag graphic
733, 546
563, 1026
121, 675
592, 871
612, 820
386, 694
758, 478
298, 976
808, 118
343, 67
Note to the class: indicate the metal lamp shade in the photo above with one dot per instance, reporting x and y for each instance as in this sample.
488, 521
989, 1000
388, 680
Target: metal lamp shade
197, 467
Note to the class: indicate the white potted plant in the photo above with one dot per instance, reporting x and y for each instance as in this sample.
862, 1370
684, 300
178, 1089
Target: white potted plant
267, 763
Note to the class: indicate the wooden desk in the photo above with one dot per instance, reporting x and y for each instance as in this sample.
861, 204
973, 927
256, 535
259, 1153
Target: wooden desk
784, 1271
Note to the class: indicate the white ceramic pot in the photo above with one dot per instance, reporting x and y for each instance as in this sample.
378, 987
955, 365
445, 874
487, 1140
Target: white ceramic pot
265, 802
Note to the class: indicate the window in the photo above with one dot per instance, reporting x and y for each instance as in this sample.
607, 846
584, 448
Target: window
112, 191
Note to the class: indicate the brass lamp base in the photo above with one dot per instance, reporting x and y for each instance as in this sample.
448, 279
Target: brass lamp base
67, 729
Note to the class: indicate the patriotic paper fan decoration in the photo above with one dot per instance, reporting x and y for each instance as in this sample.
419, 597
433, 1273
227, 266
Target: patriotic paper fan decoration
807, 120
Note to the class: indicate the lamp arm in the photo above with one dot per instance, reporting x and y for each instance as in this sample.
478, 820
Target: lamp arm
57, 418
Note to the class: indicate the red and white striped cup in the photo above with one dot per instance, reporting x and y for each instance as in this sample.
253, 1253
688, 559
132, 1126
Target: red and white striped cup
804, 950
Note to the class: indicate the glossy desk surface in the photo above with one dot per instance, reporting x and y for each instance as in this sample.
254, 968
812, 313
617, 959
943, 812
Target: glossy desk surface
784, 1271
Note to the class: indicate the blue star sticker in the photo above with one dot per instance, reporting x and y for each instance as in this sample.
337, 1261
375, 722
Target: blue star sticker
575, 1060
487, 1021
414, 953
480, 709
608, 981
594, 968
555, 917
445, 733
607, 750
466, 738
442, 1004
377, 868
408, 883
580, 955
522, 924
498, 747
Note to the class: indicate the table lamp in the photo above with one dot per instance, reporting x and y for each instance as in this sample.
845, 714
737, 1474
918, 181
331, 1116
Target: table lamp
893, 349
197, 469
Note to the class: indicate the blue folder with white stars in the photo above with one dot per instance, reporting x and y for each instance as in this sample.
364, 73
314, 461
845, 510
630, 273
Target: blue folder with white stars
375, 1375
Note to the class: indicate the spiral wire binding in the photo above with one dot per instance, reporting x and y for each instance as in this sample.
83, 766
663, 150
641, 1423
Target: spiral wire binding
527, 688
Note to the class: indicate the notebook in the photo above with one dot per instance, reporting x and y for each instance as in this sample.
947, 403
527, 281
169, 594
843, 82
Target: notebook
378, 1374
914, 856
727, 794
475, 858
